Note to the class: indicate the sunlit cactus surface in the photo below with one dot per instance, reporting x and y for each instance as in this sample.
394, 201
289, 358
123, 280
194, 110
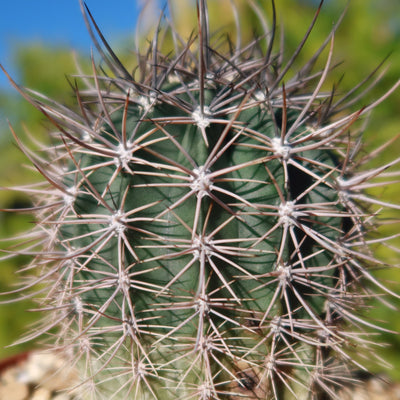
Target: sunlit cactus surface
205, 228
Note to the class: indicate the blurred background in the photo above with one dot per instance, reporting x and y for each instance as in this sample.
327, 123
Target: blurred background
40, 42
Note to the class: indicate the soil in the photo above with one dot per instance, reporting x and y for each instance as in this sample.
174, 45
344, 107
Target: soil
44, 376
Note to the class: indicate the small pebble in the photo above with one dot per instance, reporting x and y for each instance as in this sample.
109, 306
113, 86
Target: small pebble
41, 394
47, 373
62, 396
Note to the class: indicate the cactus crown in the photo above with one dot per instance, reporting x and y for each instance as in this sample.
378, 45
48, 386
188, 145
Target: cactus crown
202, 230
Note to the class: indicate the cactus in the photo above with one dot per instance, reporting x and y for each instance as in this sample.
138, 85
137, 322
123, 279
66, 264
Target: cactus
204, 228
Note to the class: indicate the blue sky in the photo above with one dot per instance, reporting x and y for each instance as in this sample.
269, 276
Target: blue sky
60, 22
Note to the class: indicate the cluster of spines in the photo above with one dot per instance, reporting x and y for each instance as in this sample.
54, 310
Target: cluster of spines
203, 232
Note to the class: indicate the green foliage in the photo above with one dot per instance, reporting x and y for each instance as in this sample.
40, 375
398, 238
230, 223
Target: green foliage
42, 69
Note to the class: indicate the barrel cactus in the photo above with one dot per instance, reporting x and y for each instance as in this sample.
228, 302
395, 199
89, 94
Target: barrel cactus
205, 226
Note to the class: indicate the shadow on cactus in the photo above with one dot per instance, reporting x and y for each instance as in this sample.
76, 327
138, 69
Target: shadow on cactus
203, 229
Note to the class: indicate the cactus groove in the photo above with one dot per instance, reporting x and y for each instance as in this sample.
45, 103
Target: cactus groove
203, 229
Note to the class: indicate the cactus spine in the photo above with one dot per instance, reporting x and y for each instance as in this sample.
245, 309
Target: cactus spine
203, 229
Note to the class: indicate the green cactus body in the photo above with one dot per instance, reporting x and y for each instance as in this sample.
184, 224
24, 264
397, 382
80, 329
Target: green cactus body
207, 245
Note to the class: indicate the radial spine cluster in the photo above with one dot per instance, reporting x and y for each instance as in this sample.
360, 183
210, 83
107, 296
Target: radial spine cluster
203, 225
